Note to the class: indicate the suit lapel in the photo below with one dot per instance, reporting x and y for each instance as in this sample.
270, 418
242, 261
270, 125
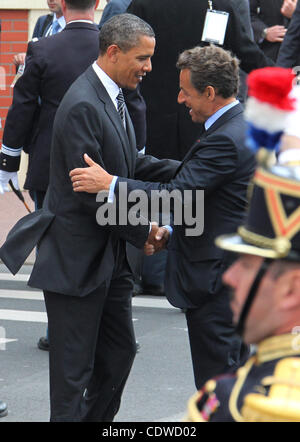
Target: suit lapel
132, 143
114, 117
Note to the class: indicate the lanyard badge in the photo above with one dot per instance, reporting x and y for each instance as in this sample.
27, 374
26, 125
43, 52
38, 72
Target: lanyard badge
215, 25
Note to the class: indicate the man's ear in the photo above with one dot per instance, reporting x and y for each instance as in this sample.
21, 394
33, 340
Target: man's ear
291, 298
210, 93
113, 52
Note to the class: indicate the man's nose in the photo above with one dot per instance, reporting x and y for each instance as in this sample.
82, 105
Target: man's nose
229, 276
180, 98
148, 66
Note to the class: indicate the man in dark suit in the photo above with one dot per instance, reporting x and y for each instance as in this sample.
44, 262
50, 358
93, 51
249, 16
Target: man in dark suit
219, 164
46, 25
270, 20
288, 56
82, 264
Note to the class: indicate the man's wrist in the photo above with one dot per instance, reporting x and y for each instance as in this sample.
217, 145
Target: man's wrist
264, 33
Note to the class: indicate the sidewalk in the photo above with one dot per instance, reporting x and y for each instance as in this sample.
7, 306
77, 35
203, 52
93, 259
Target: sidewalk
11, 210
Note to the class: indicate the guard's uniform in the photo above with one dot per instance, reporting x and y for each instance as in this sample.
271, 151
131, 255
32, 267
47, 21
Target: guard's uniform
265, 389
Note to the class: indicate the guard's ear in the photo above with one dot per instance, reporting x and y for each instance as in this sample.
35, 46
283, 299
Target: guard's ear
291, 298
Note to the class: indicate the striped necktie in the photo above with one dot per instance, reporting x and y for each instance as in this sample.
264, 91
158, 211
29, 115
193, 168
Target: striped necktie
121, 106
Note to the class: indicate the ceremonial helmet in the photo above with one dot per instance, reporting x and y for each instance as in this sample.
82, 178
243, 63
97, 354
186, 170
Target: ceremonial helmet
272, 223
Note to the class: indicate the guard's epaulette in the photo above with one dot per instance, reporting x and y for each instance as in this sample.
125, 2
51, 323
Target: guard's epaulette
281, 401
203, 403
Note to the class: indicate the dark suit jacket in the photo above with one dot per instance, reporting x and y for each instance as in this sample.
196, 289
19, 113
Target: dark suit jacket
268, 16
289, 54
42, 25
113, 7
178, 25
52, 64
76, 254
220, 164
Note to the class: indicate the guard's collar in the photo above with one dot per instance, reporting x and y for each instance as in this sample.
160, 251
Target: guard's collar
278, 347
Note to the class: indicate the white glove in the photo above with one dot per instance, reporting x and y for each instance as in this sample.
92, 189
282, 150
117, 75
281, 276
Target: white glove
4, 179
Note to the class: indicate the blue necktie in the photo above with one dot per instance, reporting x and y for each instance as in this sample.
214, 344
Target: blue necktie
55, 27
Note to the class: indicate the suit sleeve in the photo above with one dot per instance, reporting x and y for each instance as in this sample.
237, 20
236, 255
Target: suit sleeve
257, 24
289, 52
21, 114
207, 170
154, 169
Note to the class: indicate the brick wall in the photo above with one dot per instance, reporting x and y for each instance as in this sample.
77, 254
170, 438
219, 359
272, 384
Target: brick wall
14, 38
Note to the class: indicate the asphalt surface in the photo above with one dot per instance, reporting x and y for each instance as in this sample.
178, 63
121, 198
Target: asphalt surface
160, 382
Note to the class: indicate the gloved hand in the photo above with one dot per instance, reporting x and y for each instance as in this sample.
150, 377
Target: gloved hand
4, 179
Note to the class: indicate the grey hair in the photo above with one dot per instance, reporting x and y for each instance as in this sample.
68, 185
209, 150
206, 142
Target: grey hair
211, 66
125, 31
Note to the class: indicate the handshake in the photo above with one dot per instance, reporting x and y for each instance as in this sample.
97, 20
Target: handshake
157, 239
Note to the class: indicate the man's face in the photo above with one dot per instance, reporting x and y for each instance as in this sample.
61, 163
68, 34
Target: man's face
197, 102
54, 6
261, 319
133, 65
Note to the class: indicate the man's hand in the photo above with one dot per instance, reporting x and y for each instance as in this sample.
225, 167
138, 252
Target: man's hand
288, 8
275, 33
4, 179
90, 179
19, 58
157, 239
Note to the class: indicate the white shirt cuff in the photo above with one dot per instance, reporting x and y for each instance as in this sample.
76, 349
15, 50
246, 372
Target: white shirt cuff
111, 193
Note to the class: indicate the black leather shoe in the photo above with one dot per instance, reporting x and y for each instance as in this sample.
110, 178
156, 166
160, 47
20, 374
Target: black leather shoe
3, 409
43, 344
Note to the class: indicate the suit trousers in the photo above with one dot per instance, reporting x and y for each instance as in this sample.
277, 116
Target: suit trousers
215, 347
92, 348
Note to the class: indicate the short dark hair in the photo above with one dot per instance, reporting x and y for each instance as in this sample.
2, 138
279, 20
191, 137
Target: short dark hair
124, 30
211, 66
80, 5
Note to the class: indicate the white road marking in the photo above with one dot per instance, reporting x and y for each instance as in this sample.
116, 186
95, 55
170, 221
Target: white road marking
23, 315
21, 294
10, 277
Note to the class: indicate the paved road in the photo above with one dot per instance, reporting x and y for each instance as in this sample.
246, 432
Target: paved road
159, 385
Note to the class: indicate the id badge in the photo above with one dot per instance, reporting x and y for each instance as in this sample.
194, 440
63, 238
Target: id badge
215, 26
